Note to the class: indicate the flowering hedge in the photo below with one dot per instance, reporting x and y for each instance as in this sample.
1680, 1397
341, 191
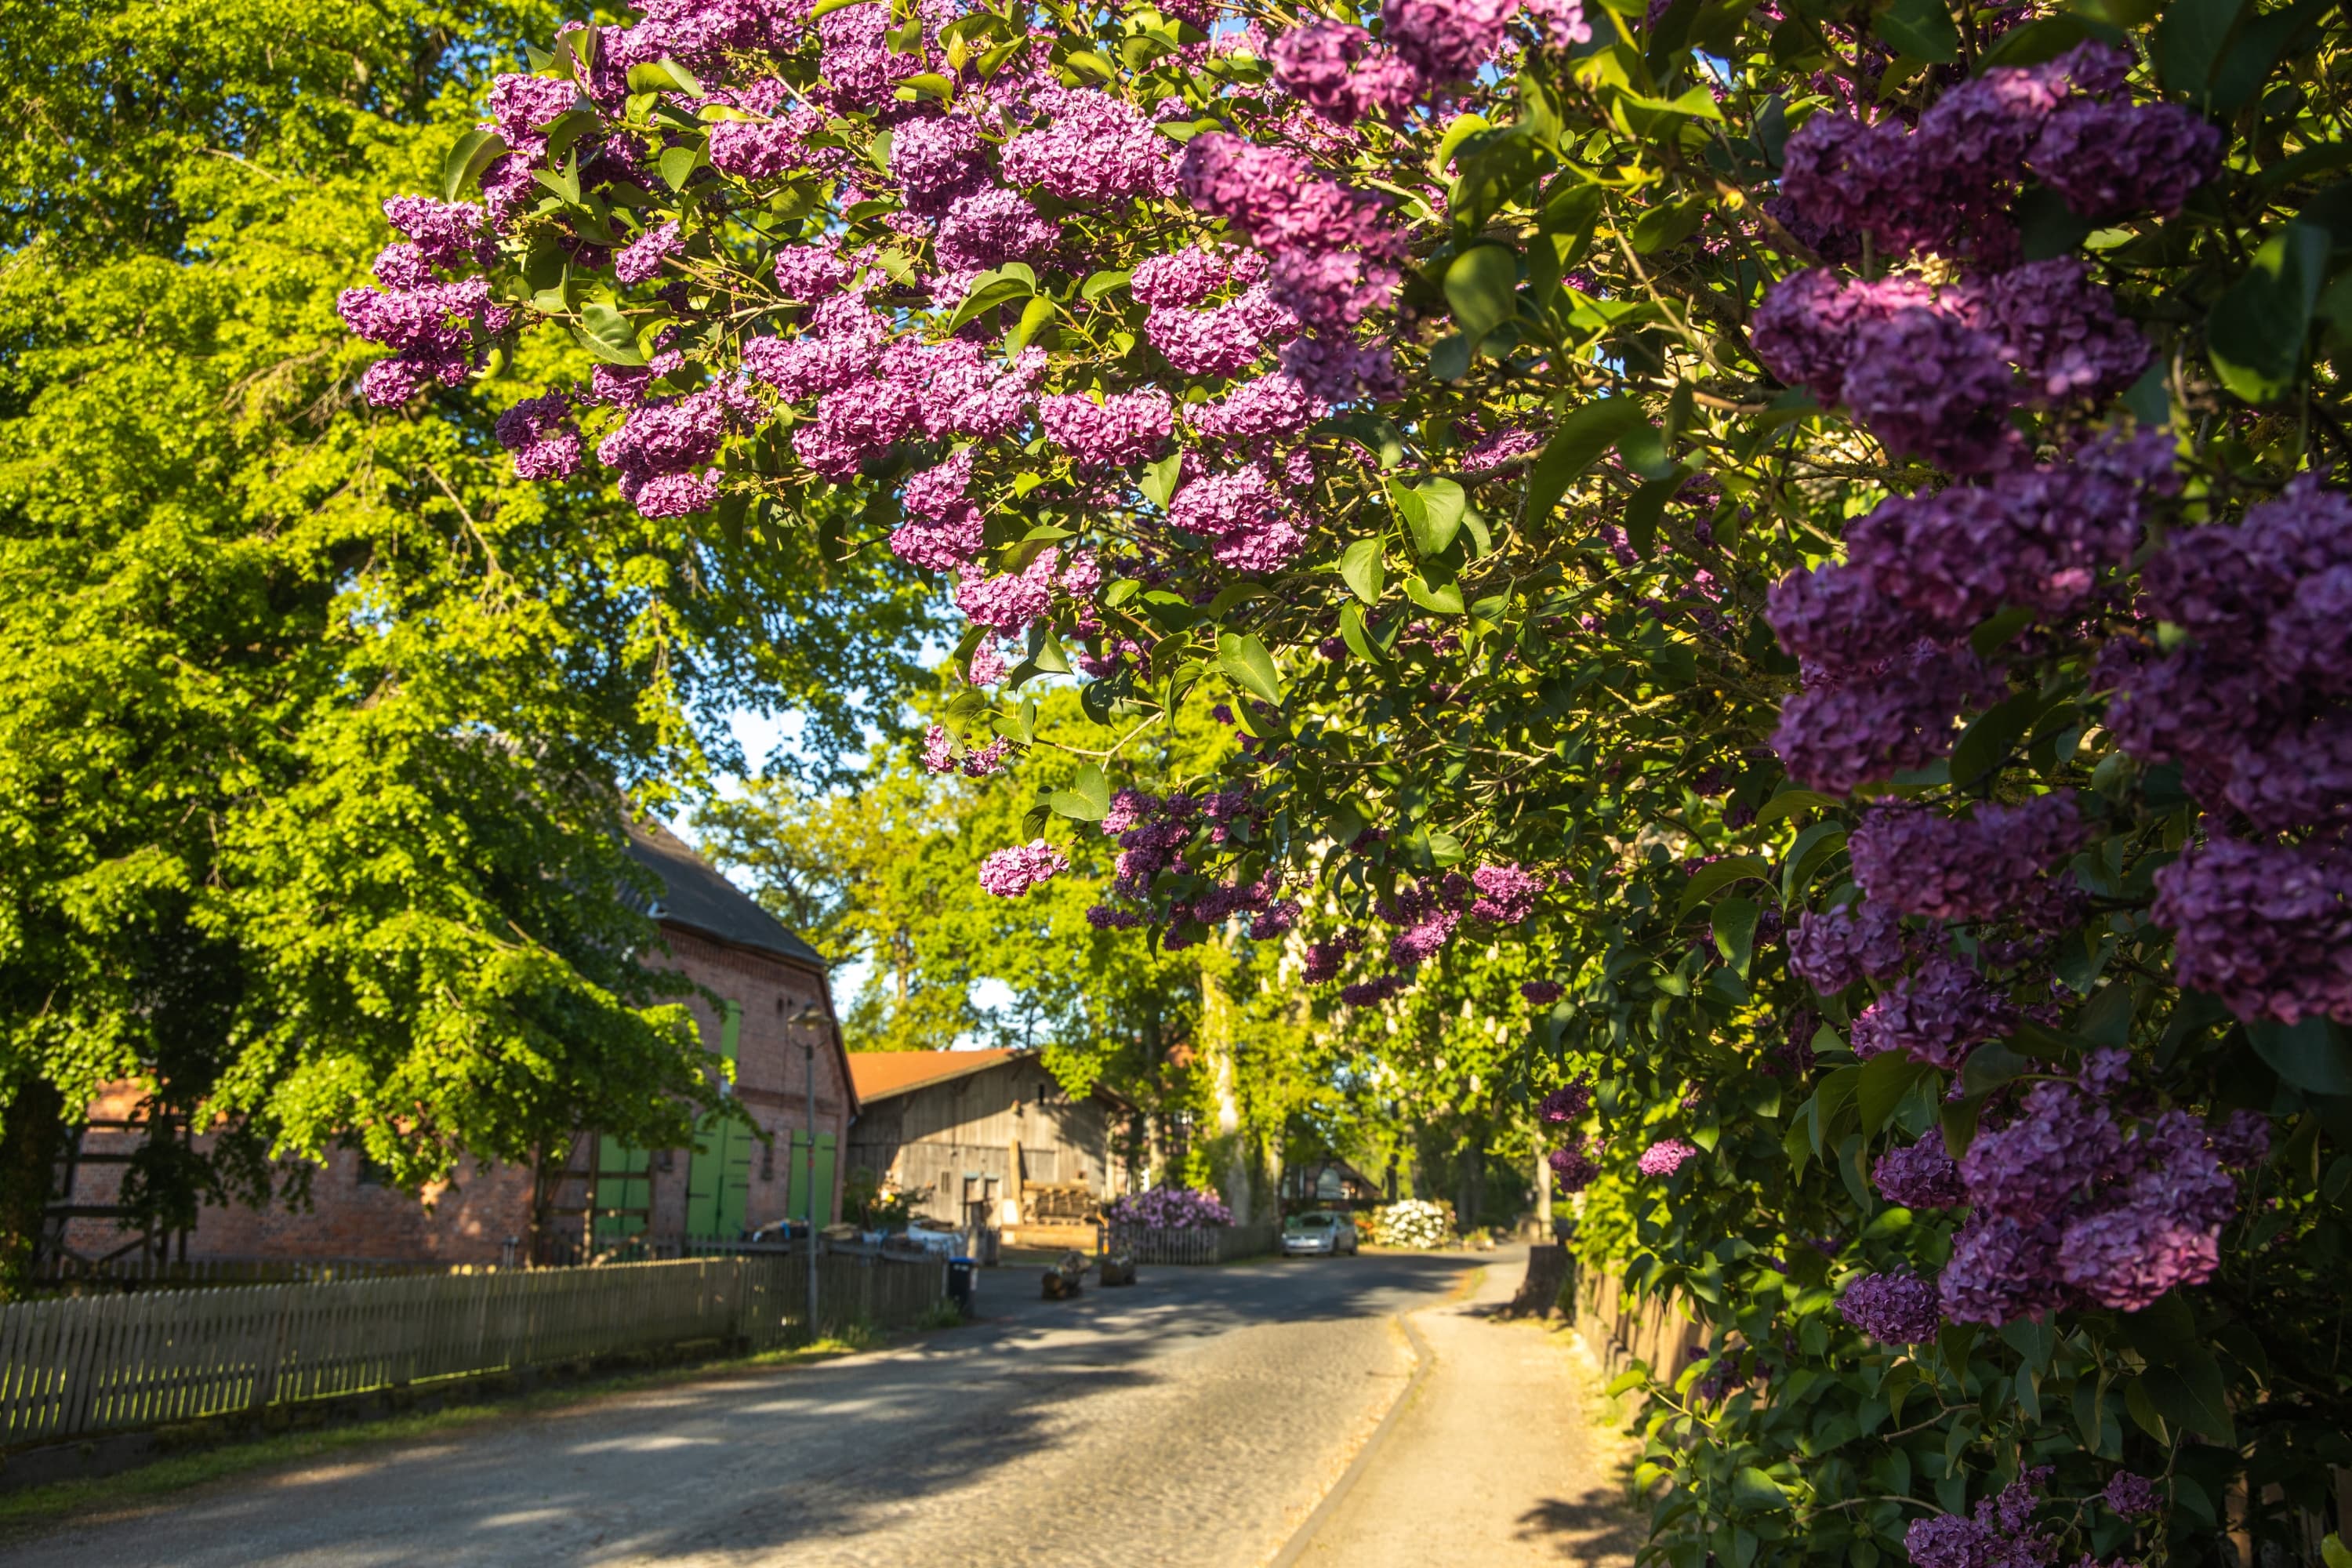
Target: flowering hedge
1169, 1208
1812, 518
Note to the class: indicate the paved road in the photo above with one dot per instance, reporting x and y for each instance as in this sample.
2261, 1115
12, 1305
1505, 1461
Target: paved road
1494, 1460
1195, 1419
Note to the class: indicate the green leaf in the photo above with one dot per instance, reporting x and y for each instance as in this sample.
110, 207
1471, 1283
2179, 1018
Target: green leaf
1247, 664
1443, 597
1789, 802
827, 7
1751, 1487
1735, 932
473, 152
1886, 1078
2315, 1055
678, 165
1481, 285
664, 76
1034, 316
1089, 797
1990, 1066
1812, 849
1360, 566
1158, 481
1922, 30
2190, 41
2334, 1554
924, 84
1709, 880
1990, 739
2257, 330
1663, 226
605, 334
1351, 632
1101, 283
1432, 510
989, 292
1575, 445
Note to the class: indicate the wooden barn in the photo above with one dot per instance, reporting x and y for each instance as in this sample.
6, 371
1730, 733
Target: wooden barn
990, 1138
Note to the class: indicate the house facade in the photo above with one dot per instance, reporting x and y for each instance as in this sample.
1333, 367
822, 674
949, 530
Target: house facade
991, 1138
761, 1002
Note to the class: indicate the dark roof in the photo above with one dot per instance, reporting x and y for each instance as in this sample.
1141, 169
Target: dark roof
697, 897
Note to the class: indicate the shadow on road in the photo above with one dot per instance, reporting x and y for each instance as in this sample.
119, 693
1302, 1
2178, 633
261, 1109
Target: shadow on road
1596, 1524
752, 1464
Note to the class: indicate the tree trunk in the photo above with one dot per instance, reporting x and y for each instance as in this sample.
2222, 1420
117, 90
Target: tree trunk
1220, 1028
32, 1135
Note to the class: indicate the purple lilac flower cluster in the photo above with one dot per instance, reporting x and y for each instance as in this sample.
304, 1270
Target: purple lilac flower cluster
1567, 1105
2000, 1534
2068, 1206
1893, 1308
1169, 1208
1912, 861
1575, 1168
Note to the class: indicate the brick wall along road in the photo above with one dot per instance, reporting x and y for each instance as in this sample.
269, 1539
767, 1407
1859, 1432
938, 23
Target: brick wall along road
1193, 1421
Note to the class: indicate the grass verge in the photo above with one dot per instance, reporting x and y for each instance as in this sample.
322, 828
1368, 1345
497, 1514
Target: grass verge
37, 1508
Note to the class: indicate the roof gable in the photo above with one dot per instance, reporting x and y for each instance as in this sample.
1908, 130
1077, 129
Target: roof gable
879, 1075
696, 896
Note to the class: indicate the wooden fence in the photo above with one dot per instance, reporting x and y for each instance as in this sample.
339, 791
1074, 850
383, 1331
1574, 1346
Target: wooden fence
91, 1363
82, 1277
1621, 1329
1202, 1243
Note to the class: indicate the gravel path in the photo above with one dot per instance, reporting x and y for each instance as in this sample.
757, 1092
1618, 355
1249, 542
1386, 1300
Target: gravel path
1496, 1459
1196, 1419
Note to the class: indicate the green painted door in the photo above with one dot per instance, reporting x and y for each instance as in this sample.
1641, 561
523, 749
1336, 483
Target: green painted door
802, 1187
718, 1179
624, 1181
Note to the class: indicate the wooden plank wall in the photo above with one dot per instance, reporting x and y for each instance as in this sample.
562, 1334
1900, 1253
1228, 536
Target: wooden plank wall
99, 1363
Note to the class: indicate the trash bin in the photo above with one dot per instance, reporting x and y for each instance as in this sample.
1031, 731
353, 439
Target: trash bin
959, 1279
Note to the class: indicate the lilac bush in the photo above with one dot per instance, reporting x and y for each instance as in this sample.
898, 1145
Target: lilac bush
1169, 1208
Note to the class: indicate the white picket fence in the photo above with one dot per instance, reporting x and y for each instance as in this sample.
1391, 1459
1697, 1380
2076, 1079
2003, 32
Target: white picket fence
93, 1363
1194, 1244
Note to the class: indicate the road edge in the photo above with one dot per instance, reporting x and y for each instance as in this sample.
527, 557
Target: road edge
1423, 1359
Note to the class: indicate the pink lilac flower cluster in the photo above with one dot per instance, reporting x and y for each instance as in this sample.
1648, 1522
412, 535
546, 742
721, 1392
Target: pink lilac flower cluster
1666, 1156
1507, 894
434, 329
541, 434
1893, 1308
1542, 993
2068, 1206
1169, 1208
1010, 872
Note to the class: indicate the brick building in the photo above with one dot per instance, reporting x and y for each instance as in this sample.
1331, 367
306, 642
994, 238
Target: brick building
773, 1019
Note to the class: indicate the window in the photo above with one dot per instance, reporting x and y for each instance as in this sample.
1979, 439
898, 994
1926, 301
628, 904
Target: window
371, 1174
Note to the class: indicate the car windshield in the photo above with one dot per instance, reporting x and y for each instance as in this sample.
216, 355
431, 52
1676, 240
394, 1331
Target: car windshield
1312, 1221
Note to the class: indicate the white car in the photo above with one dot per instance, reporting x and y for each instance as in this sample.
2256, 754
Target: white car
1320, 1233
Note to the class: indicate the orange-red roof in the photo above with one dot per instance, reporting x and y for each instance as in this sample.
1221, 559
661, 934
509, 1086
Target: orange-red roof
880, 1074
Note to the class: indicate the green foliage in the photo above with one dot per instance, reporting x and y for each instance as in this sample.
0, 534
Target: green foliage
311, 773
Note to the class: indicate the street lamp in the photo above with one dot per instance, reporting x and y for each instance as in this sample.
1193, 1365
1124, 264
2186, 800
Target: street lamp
810, 1013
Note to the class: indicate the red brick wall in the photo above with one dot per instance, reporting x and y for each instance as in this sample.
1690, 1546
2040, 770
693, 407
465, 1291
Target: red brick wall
470, 1219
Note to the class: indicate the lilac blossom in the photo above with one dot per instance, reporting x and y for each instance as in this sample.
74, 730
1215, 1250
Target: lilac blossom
1915, 861
1010, 872
1919, 1176
1893, 1308
1666, 1156
1120, 429
540, 434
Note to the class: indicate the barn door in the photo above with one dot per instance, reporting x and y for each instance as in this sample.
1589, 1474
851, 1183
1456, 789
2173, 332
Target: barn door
718, 1179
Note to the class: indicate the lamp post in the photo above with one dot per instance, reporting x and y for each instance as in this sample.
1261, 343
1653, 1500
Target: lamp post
809, 1014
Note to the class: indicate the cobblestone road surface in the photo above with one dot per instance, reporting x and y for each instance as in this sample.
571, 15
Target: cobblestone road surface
1196, 1419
